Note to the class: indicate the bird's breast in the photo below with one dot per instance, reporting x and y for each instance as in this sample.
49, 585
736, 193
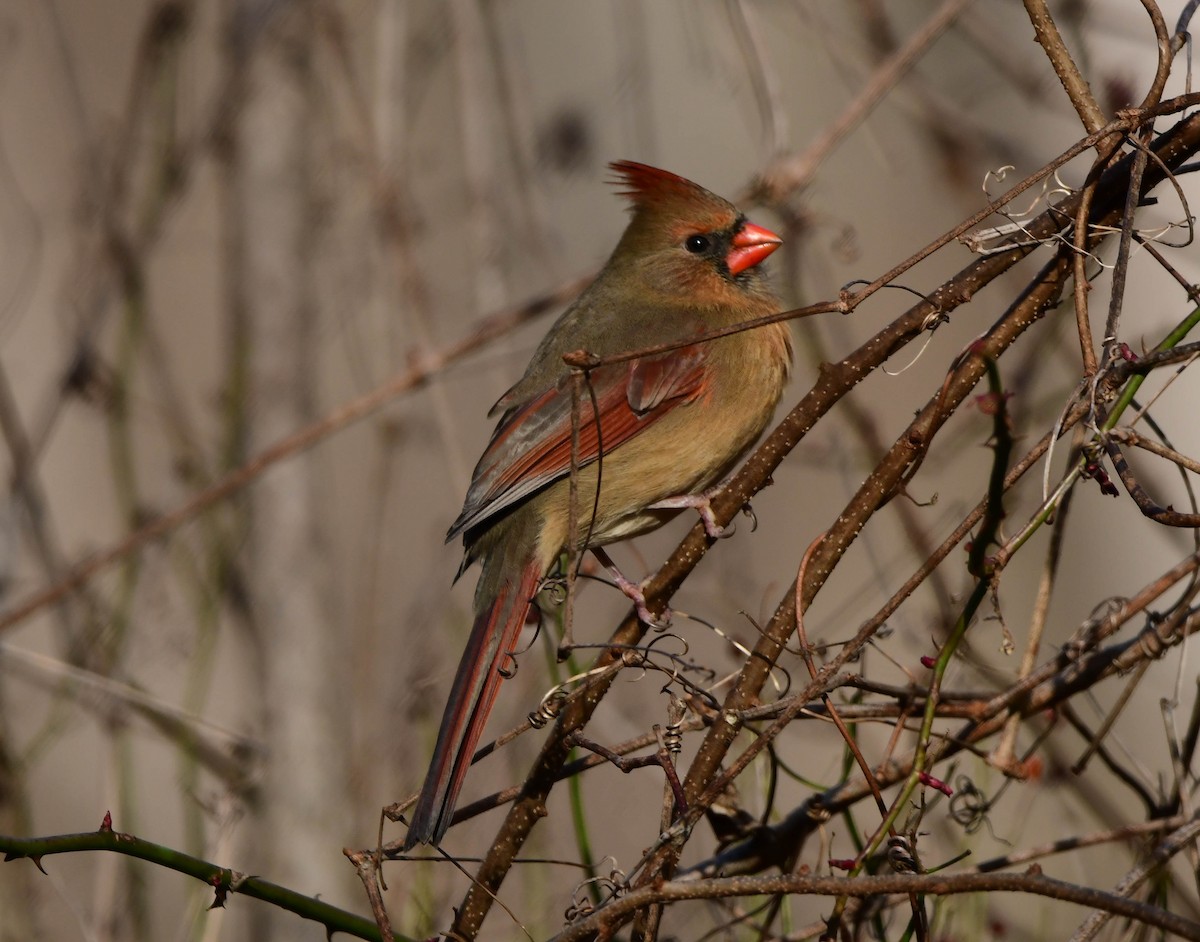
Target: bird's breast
683, 452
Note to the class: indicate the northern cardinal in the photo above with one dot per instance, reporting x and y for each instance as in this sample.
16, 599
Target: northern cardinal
655, 432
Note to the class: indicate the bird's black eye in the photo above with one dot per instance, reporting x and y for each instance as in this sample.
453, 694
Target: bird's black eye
696, 244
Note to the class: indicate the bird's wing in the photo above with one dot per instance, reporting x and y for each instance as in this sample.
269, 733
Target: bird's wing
532, 443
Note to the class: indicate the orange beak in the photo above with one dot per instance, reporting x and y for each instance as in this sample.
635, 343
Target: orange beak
750, 246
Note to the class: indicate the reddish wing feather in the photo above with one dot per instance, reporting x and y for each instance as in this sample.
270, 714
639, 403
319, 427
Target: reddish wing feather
532, 446
653, 380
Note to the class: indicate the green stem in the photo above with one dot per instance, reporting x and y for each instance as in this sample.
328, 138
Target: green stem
1173, 339
579, 823
223, 880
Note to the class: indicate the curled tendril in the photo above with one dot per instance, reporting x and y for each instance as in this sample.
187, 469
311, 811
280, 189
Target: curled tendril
548, 709
1084, 636
969, 807
652, 646
994, 239
933, 320
554, 590
551, 704
646, 658
611, 886
672, 738
902, 854
696, 691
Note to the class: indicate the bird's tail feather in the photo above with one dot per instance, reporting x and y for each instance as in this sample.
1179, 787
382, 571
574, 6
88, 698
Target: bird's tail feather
495, 632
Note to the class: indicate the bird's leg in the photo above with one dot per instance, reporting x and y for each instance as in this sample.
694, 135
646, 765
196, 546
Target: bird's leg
633, 591
702, 503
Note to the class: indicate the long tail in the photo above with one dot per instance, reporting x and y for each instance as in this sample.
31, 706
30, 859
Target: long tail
497, 626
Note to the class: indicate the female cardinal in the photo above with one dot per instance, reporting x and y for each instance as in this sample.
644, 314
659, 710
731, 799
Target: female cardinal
654, 432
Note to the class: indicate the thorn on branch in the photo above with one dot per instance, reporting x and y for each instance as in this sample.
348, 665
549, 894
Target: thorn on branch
1094, 471
936, 783
36, 858
220, 890
992, 403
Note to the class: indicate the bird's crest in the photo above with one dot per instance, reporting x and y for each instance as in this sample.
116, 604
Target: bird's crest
649, 187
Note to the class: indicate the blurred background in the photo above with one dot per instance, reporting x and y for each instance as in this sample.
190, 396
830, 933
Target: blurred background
222, 222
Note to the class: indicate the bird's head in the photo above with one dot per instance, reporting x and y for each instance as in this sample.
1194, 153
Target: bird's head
684, 239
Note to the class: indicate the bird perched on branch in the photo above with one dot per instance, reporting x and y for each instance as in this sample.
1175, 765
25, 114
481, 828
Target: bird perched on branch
656, 431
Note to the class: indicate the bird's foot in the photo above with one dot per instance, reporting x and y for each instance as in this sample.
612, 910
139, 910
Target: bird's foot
702, 504
633, 591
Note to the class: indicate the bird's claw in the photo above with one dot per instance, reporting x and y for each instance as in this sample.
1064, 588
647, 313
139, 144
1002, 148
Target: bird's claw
633, 591
711, 527
647, 617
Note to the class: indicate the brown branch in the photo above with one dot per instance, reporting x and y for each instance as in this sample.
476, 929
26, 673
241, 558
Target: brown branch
806, 652
1166, 55
1167, 516
1004, 755
366, 865
1129, 436
1124, 775
603, 922
1127, 833
1116, 299
661, 758
1075, 85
